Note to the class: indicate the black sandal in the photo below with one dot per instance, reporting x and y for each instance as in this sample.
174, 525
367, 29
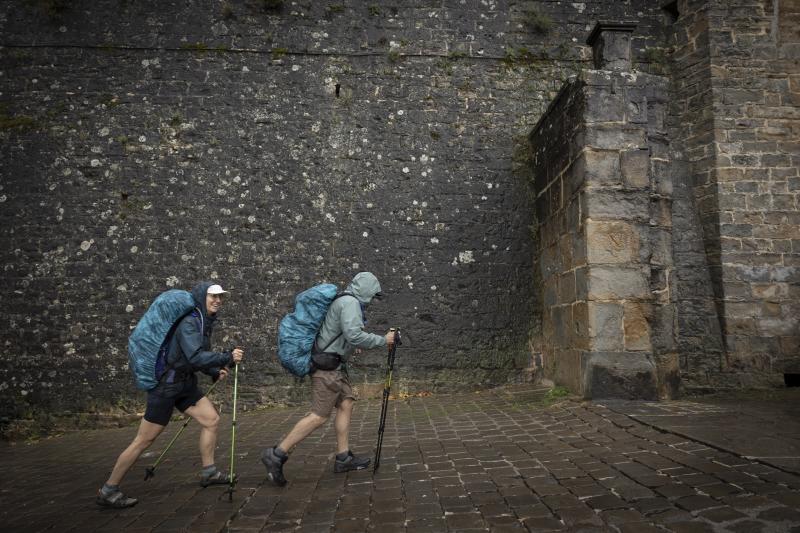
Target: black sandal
115, 500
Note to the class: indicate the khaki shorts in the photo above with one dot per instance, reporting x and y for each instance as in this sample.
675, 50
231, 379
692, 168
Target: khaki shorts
328, 389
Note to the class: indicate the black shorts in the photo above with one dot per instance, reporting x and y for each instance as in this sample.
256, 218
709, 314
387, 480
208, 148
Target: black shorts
166, 396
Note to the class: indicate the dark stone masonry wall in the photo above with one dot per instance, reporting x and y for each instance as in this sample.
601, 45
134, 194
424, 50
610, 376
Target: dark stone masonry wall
149, 145
736, 67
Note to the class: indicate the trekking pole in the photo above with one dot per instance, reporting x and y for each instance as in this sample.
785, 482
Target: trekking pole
151, 470
385, 405
233, 430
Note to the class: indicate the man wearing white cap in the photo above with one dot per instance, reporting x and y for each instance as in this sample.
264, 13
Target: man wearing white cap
189, 351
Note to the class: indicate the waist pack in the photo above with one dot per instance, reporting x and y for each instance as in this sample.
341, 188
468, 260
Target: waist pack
147, 345
298, 330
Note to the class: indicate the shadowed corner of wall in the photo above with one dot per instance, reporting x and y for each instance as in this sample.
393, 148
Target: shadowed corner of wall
618, 375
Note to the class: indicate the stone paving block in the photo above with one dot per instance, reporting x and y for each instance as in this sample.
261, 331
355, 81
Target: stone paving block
669, 516
618, 517
722, 514
451, 490
788, 498
316, 528
696, 503
760, 487
675, 490
748, 502
382, 518
465, 521
780, 514
639, 527
747, 526
691, 527
633, 492
543, 524
588, 491
320, 515
455, 503
606, 502
579, 515
560, 501
495, 509
514, 527
350, 525
720, 489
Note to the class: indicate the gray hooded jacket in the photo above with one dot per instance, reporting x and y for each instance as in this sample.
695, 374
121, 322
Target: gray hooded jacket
344, 316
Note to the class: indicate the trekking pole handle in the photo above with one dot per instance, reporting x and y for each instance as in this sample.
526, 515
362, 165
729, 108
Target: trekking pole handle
397, 341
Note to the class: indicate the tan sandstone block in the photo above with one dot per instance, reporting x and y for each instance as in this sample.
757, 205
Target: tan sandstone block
611, 242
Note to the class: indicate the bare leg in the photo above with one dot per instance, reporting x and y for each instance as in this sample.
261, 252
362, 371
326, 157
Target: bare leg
342, 425
147, 433
301, 430
205, 414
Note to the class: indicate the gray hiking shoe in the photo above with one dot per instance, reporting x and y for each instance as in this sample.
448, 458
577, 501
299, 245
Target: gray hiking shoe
274, 464
351, 462
115, 500
217, 478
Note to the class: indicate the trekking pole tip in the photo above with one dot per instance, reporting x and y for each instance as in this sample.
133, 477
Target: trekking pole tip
149, 472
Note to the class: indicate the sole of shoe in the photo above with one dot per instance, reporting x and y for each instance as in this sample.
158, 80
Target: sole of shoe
274, 481
348, 469
109, 505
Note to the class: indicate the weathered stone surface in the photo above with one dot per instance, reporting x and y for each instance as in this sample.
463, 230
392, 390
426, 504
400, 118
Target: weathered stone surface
149, 148
635, 168
637, 324
617, 283
619, 375
606, 326
611, 242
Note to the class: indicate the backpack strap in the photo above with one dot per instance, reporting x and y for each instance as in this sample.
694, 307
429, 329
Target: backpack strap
341, 332
170, 367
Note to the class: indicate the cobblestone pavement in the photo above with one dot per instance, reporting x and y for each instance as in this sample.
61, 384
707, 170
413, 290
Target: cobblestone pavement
495, 461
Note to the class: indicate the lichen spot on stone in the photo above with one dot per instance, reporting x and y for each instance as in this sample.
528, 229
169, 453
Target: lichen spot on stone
128, 308
466, 257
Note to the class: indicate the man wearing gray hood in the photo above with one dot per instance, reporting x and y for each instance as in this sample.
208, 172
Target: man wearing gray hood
342, 333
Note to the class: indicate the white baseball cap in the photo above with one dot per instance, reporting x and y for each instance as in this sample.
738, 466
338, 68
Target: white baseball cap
216, 289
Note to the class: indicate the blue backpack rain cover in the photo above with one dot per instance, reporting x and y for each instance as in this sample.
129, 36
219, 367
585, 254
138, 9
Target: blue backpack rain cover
299, 328
153, 333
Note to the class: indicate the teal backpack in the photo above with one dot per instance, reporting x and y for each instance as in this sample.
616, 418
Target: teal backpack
147, 345
298, 330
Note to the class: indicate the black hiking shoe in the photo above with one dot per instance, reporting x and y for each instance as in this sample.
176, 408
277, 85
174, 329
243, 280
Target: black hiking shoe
115, 500
351, 462
217, 478
274, 464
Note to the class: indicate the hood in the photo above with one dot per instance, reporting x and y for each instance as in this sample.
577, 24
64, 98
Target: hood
199, 294
364, 287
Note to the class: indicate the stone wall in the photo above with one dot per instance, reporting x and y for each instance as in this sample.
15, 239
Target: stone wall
560, 236
695, 233
148, 145
739, 128
603, 187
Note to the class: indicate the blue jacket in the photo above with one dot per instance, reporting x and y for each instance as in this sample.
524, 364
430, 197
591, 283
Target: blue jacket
190, 346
